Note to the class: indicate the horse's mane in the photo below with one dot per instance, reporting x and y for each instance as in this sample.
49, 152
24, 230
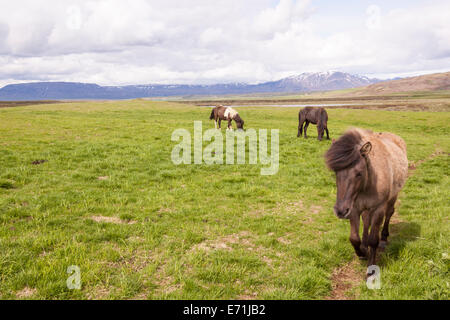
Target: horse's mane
344, 152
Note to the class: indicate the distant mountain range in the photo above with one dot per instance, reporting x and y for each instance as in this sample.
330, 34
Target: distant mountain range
428, 82
305, 82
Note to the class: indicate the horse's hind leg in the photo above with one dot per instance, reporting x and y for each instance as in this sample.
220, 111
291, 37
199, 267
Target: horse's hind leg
320, 132
300, 128
220, 123
301, 120
385, 232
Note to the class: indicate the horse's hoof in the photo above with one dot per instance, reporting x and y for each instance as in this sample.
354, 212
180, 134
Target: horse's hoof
362, 255
382, 245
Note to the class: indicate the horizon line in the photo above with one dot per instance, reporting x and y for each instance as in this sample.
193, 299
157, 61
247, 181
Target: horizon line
391, 77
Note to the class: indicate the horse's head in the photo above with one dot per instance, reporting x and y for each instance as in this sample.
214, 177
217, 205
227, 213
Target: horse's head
239, 122
347, 157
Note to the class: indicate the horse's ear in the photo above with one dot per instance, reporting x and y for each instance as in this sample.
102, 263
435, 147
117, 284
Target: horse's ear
333, 141
365, 149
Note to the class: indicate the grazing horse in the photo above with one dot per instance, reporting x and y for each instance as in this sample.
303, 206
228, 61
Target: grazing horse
315, 116
220, 113
371, 169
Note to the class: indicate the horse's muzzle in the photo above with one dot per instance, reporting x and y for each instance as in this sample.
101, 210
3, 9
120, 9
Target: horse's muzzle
342, 213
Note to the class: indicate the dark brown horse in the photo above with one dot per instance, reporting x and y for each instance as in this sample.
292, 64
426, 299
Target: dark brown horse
371, 168
220, 113
316, 116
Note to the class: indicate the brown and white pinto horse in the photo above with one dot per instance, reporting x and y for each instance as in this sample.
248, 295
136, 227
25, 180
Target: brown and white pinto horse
220, 113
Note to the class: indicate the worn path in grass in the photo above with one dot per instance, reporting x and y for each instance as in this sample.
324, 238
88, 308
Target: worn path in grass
109, 200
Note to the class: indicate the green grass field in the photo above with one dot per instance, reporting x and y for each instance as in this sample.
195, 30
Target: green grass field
109, 200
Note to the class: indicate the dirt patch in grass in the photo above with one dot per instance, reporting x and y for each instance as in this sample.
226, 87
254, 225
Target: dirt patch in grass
224, 243
244, 240
165, 210
256, 213
284, 239
344, 279
289, 208
248, 296
26, 293
136, 239
136, 260
100, 292
280, 207
315, 209
413, 165
114, 220
164, 281
44, 254
294, 206
166, 285
103, 178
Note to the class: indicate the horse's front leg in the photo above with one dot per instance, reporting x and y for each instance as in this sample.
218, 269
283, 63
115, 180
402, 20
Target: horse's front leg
354, 233
365, 237
215, 123
328, 135
374, 236
220, 123
306, 127
230, 126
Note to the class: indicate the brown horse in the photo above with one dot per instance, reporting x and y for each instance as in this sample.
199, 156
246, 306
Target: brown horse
313, 115
371, 168
220, 113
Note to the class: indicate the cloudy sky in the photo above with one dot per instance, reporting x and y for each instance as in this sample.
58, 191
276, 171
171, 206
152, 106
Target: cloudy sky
114, 42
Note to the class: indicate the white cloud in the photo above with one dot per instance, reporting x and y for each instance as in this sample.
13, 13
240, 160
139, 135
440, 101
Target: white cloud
203, 41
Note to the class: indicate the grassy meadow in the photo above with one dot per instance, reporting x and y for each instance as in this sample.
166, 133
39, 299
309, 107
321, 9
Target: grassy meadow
108, 199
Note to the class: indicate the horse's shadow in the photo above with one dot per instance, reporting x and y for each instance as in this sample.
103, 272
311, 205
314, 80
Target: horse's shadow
400, 234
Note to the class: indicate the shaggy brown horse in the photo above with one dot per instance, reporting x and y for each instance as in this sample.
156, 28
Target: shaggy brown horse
313, 115
220, 113
371, 168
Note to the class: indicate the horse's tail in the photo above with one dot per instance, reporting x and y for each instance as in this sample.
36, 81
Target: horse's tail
323, 118
322, 123
212, 114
